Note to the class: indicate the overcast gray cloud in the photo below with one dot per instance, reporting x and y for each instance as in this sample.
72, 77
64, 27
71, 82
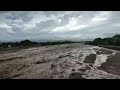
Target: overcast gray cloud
58, 25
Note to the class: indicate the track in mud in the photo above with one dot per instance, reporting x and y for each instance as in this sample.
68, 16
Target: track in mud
67, 61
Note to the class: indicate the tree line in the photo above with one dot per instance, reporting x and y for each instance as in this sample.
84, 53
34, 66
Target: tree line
115, 41
28, 43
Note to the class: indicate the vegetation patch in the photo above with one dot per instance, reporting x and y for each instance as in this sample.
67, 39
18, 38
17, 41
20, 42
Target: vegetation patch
111, 42
25, 44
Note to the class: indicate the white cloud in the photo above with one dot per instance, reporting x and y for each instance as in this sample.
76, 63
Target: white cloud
6, 28
19, 20
72, 25
38, 18
78, 27
101, 16
66, 27
66, 13
59, 20
75, 25
4, 25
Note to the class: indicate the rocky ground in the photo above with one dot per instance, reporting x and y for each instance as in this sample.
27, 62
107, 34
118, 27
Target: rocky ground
67, 61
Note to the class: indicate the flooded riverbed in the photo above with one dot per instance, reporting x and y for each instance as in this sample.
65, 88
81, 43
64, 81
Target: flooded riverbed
66, 61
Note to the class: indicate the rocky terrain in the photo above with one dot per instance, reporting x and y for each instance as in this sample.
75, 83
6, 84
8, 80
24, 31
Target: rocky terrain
66, 61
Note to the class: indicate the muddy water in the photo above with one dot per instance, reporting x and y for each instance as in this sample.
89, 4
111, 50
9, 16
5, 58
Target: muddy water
67, 61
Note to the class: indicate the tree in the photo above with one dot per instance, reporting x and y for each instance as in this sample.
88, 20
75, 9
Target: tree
115, 40
97, 41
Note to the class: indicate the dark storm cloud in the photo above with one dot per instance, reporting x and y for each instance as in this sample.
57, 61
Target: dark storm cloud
58, 25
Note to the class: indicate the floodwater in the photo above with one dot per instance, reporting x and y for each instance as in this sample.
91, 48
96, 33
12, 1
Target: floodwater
66, 61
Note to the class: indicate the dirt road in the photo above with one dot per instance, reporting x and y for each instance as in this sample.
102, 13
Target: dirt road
67, 61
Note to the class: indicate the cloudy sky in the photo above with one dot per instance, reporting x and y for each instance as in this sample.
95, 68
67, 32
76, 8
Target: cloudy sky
58, 25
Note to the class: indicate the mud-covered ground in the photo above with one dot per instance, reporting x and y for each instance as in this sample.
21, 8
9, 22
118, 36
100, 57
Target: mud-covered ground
67, 61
